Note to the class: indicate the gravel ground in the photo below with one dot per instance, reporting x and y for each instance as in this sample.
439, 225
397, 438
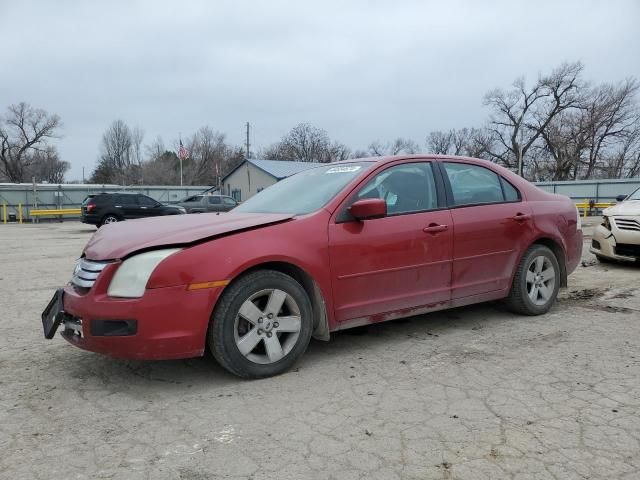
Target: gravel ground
470, 393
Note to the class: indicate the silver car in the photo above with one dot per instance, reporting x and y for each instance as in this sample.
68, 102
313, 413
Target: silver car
208, 203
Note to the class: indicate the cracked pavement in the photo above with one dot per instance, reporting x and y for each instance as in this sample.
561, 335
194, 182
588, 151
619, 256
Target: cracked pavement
470, 393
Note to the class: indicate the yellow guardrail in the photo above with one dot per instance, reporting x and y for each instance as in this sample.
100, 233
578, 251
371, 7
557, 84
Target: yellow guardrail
587, 205
37, 212
54, 211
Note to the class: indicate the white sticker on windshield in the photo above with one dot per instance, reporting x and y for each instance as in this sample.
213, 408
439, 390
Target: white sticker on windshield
345, 169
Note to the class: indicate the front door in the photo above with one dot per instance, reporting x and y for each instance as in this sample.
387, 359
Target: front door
492, 226
396, 263
128, 205
147, 206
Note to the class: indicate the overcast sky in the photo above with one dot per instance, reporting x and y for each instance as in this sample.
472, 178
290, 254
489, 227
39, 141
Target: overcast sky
360, 70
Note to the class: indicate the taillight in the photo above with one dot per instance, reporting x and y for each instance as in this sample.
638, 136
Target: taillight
91, 207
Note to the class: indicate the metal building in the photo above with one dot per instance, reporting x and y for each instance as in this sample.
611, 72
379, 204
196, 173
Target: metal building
252, 176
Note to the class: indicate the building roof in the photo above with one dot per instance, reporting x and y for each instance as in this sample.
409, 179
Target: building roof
278, 169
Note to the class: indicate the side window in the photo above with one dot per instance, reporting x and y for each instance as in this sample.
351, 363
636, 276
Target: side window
214, 200
192, 199
229, 201
125, 200
145, 201
510, 192
405, 188
473, 185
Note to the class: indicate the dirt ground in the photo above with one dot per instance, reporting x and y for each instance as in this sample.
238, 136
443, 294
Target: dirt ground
471, 393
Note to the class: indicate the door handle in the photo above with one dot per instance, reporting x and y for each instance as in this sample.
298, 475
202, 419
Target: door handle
435, 228
521, 217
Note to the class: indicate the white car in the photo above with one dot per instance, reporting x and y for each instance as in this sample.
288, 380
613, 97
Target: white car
618, 236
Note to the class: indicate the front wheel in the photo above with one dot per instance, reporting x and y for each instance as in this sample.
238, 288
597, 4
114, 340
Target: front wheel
536, 282
262, 325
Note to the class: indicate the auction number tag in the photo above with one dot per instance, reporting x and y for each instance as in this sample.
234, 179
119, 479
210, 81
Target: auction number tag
345, 169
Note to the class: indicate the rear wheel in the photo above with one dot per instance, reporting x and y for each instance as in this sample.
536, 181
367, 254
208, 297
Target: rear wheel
109, 218
261, 325
536, 282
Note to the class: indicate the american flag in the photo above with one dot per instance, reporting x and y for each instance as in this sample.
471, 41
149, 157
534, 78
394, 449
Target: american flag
182, 152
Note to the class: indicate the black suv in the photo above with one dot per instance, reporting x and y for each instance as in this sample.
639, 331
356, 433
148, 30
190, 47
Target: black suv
103, 208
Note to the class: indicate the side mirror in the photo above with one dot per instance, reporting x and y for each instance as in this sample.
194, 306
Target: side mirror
369, 208
620, 198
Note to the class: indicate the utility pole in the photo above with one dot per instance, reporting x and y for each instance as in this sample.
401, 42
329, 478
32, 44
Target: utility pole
520, 159
35, 198
247, 145
180, 156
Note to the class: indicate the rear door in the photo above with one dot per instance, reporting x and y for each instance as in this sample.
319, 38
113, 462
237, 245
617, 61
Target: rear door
399, 262
492, 227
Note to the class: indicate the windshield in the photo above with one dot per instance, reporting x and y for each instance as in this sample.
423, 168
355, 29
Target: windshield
634, 196
304, 192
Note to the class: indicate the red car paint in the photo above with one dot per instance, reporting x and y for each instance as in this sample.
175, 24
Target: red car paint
364, 271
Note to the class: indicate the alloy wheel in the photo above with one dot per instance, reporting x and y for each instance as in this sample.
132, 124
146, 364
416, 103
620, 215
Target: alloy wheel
267, 326
541, 280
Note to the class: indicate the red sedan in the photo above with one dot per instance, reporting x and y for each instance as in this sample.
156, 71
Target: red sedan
333, 247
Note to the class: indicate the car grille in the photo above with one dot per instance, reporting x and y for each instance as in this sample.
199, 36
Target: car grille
627, 224
86, 272
628, 250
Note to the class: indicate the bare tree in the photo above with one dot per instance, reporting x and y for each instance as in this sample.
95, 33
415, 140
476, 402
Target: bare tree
24, 131
137, 137
208, 151
472, 142
596, 137
396, 147
439, 142
521, 114
306, 143
116, 163
46, 166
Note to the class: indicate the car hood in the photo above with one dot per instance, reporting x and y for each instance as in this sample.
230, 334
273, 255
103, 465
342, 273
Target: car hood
118, 240
629, 207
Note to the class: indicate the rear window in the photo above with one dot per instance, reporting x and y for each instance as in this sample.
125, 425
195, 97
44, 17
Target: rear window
476, 185
510, 192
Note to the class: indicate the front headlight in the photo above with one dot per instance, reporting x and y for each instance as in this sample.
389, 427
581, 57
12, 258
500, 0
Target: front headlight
132, 276
606, 223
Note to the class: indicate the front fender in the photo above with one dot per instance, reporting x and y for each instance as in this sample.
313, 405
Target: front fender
302, 243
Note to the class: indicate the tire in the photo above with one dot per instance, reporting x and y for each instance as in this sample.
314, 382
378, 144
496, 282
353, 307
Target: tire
532, 293
109, 218
254, 344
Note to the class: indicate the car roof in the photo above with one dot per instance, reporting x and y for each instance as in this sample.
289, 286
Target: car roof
417, 156
116, 193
